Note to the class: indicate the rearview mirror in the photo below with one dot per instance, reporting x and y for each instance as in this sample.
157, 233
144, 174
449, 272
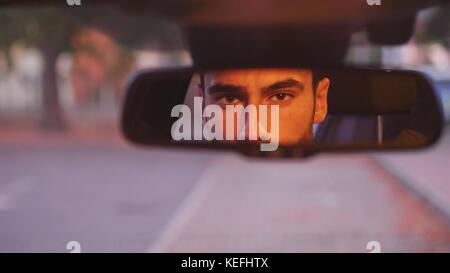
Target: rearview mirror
282, 112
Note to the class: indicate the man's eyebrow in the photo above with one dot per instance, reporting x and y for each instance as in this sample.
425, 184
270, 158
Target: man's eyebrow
225, 88
287, 83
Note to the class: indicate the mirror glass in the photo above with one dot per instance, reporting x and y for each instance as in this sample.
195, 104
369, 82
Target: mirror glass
284, 110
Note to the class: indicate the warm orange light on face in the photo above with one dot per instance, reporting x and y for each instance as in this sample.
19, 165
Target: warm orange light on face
290, 89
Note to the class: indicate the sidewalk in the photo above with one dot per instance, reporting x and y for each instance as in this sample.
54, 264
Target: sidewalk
331, 203
426, 172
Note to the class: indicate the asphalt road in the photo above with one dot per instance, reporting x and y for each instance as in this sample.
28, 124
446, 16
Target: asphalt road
108, 198
113, 197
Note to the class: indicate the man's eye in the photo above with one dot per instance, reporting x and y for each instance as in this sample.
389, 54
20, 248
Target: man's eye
281, 97
229, 99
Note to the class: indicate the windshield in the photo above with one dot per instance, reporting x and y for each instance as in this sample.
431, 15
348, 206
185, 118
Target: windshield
66, 172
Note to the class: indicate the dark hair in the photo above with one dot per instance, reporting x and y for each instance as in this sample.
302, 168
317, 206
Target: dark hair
317, 76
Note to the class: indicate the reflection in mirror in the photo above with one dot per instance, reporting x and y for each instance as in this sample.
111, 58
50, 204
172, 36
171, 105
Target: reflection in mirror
273, 109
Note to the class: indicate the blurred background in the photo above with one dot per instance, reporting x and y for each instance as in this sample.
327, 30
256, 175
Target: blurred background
67, 174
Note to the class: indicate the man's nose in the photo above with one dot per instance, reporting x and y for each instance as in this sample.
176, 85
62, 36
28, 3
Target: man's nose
253, 128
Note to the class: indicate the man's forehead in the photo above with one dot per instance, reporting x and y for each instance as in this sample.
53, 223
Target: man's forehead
260, 77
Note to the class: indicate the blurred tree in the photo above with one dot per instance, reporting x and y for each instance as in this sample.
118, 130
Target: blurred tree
51, 29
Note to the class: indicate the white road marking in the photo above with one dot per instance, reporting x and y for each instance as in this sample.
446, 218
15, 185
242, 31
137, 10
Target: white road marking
189, 206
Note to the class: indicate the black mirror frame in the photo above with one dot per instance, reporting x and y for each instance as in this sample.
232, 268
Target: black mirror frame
131, 96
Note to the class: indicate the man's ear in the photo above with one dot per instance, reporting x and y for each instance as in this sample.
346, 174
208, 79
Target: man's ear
321, 108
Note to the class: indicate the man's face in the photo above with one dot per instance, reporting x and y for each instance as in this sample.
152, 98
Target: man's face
290, 89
